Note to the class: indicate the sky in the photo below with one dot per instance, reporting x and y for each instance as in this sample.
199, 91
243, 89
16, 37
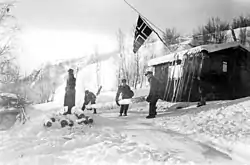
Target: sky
59, 29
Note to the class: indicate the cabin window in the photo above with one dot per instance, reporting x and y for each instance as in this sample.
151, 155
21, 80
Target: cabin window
224, 66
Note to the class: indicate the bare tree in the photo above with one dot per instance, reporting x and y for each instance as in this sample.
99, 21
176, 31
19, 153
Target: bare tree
171, 37
201, 36
120, 39
9, 71
241, 21
98, 67
137, 66
135, 63
243, 36
122, 71
213, 32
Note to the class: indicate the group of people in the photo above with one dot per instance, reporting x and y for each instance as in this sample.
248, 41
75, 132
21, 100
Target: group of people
70, 91
153, 96
123, 90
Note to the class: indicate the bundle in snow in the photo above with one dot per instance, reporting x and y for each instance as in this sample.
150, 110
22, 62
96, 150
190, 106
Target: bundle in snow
63, 121
66, 122
90, 120
82, 121
48, 123
76, 111
81, 118
71, 123
55, 121
85, 120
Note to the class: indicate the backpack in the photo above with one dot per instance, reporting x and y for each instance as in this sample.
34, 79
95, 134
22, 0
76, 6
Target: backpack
131, 93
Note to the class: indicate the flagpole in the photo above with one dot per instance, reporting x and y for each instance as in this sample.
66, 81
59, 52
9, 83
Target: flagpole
143, 16
146, 20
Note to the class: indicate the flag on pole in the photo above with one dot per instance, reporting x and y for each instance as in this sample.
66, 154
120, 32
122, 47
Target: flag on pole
142, 32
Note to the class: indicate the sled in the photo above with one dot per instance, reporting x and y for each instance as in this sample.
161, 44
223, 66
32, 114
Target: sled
132, 100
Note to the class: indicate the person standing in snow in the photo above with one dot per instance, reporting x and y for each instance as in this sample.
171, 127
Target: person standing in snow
126, 93
70, 92
89, 98
154, 94
202, 87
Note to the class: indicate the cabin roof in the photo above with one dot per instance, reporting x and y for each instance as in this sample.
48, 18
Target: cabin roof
179, 55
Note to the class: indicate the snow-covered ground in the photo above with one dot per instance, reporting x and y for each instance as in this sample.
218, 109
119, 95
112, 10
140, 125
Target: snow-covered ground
214, 134
223, 125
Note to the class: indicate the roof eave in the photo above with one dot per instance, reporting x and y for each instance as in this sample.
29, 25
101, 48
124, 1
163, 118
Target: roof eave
179, 55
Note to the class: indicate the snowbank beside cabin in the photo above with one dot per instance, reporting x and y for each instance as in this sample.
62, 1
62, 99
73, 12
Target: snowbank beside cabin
224, 125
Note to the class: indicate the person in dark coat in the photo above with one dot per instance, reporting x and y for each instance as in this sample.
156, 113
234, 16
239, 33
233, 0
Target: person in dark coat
126, 93
154, 94
202, 92
89, 98
69, 98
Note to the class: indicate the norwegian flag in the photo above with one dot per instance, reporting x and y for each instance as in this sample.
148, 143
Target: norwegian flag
141, 34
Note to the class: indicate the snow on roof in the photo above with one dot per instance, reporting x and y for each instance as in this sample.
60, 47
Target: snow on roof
179, 55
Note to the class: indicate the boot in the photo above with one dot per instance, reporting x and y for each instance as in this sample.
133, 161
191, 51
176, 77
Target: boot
201, 103
150, 116
125, 113
155, 111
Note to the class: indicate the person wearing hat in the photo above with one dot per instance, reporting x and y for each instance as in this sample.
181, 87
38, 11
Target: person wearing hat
126, 93
70, 92
154, 94
89, 98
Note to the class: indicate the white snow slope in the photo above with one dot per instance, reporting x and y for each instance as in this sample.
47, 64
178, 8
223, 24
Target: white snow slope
214, 134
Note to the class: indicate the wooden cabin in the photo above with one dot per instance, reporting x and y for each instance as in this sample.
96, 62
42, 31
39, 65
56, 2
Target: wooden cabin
225, 69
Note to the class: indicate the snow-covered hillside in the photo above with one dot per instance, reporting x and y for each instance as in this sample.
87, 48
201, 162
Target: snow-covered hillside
89, 74
214, 134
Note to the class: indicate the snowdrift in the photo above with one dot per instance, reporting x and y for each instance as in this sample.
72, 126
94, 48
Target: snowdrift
213, 134
224, 125
102, 143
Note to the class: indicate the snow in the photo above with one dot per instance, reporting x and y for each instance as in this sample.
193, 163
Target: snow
180, 55
222, 125
217, 133
10, 95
